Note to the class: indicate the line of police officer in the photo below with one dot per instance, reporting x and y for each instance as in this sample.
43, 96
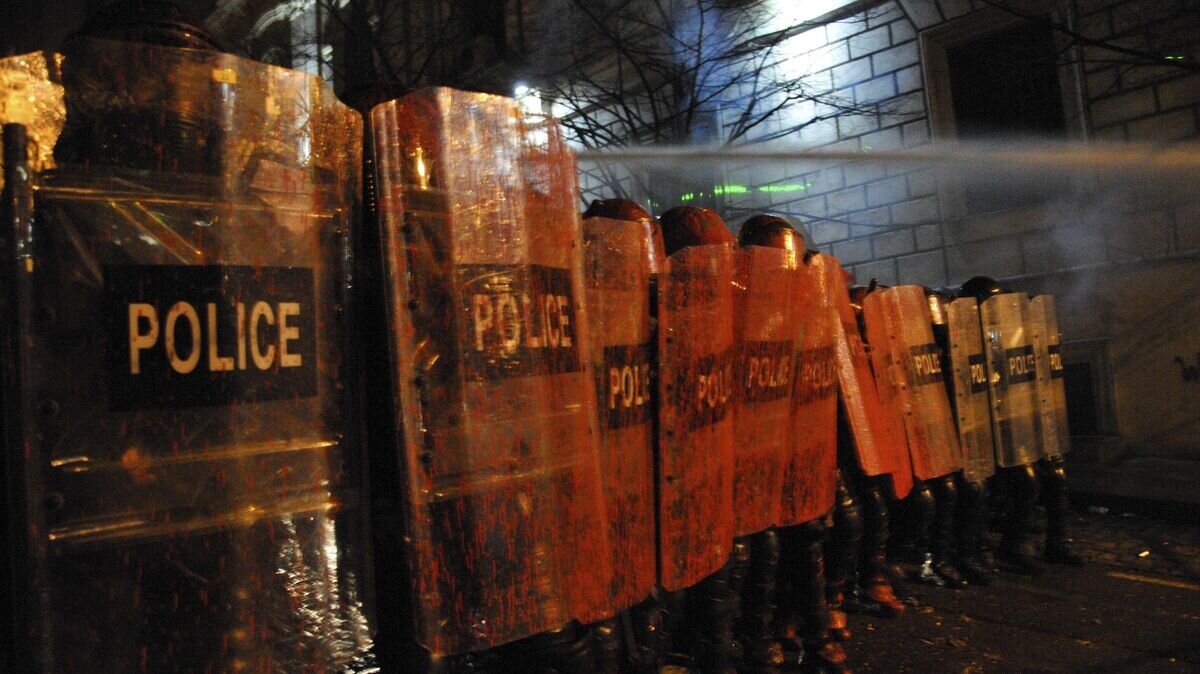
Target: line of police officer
606, 443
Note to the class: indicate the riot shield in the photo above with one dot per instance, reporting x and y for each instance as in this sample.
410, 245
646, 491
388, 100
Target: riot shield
175, 424
1052, 395
969, 389
1012, 378
767, 324
810, 481
697, 392
898, 327
891, 420
879, 447
499, 470
623, 261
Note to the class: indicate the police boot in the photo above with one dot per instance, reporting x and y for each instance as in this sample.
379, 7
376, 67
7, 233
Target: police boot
820, 652
762, 653
876, 585
649, 640
672, 646
563, 651
842, 553
739, 569
1054, 480
1013, 555
606, 642
942, 545
828, 659
794, 587
969, 522
920, 512
715, 609
835, 598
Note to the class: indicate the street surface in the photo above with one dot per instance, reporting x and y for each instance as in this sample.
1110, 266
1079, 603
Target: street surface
1134, 608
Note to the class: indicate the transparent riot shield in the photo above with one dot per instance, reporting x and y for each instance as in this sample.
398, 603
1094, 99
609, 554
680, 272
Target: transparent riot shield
503, 514
176, 432
697, 390
1052, 395
879, 448
969, 388
898, 327
767, 323
810, 481
623, 261
892, 418
1012, 378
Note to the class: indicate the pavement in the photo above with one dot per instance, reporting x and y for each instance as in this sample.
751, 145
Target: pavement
1134, 607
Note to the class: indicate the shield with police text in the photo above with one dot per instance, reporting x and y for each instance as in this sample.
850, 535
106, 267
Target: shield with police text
1012, 378
623, 261
767, 322
504, 515
968, 386
898, 326
1052, 395
878, 441
697, 359
175, 366
810, 481
892, 419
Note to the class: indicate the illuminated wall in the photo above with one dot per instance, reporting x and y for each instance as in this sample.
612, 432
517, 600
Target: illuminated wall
1123, 258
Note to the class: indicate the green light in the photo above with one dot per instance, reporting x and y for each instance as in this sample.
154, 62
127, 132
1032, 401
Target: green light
687, 197
730, 189
1174, 58
790, 187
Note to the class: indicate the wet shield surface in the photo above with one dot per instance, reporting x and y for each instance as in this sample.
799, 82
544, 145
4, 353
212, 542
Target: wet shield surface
1052, 395
969, 389
697, 358
810, 480
500, 478
1005, 323
898, 328
623, 261
175, 368
767, 321
879, 442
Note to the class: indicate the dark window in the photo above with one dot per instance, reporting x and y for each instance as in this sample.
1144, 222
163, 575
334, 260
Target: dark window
1005, 84
1082, 410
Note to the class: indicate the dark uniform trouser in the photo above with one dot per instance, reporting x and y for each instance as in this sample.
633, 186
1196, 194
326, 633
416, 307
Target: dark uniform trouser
693, 624
845, 542
712, 608
802, 583
755, 576
861, 525
945, 496
1021, 487
970, 521
1053, 473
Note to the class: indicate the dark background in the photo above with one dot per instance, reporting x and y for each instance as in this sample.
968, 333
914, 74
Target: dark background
30, 25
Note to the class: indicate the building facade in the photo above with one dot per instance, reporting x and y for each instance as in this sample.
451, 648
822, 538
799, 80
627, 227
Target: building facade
1119, 248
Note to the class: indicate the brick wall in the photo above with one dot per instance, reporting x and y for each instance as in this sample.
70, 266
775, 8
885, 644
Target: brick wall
891, 222
882, 221
1120, 250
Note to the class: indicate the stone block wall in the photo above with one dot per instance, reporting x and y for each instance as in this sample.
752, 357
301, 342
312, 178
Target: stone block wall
1121, 251
892, 222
